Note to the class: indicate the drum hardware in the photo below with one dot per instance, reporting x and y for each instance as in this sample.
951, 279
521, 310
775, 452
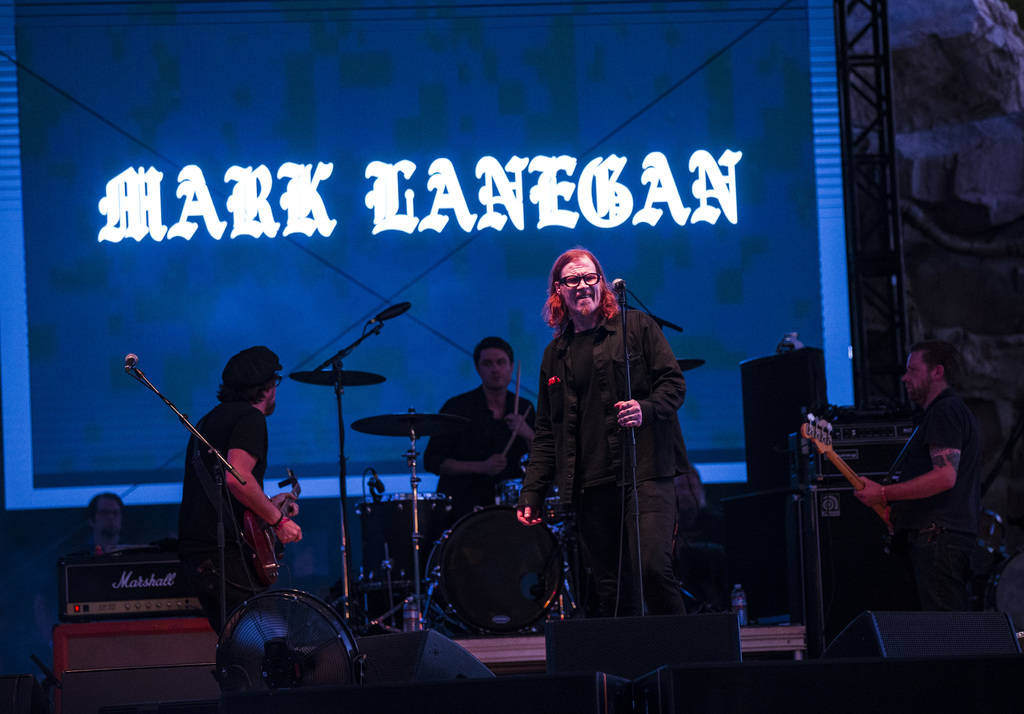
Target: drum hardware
413, 425
387, 555
687, 364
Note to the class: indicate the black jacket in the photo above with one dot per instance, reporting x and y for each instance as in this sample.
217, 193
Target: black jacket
657, 384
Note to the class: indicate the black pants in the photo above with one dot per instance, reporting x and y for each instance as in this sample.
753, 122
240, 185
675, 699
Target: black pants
203, 575
940, 561
608, 537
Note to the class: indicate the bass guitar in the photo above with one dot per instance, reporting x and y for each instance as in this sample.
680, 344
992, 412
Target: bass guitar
819, 432
265, 550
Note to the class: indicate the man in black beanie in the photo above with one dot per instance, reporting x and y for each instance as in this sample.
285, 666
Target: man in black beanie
237, 427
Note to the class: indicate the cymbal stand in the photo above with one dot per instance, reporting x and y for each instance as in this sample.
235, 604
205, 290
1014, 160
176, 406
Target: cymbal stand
414, 481
565, 533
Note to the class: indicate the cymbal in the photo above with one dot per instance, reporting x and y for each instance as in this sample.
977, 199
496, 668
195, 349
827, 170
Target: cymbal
401, 424
349, 378
685, 364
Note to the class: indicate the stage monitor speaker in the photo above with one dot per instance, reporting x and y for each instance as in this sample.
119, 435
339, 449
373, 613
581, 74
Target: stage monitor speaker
775, 391
631, 646
21, 694
925, 634
417, 657
585, 694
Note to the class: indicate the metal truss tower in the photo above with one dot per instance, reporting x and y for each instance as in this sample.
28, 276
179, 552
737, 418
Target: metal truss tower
873, 233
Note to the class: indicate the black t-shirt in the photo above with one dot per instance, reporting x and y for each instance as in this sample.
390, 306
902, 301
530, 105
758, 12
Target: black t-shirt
231, 425
592, 441
946, 423
482, 437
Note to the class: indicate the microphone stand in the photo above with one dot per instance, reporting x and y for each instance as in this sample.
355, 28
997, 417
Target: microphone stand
631, 447
335, 362
221, 465
662, 322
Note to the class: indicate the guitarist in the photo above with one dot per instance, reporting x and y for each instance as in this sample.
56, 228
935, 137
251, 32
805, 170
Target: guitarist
934, 506
237, 427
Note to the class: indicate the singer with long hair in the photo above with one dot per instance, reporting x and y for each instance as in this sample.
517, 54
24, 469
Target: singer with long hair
584, 431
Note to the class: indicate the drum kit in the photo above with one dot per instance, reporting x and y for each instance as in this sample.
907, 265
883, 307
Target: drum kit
998, 582
485, 573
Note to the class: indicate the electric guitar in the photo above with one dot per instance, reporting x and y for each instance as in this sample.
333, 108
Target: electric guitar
819, 432
265, 550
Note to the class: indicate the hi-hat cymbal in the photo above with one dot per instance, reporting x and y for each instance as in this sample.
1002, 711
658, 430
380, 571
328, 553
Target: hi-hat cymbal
349, 378
685, 364
402, 424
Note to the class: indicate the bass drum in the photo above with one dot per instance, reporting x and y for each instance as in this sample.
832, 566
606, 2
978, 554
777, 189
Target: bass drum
495, 574
1006, 590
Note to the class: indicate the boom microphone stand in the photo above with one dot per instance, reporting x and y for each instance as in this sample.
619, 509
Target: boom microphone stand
334, 362
620, 291
222, 465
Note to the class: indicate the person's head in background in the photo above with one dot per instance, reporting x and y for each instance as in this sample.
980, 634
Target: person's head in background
104, 515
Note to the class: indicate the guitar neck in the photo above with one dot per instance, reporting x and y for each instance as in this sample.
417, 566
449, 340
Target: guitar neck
845, 469
857, 482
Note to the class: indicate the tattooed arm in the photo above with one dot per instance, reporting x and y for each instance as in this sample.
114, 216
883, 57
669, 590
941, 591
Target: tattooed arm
942, 477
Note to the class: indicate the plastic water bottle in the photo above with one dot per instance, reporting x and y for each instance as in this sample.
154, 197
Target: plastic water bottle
410, 614
738, 598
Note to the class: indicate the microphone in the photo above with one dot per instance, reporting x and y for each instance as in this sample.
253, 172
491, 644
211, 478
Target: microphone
390, 312
375, 484
130, 360
619, 286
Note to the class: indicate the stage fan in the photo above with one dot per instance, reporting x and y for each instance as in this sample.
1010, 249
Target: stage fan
284, 639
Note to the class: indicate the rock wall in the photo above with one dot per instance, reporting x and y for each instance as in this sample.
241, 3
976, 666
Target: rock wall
958, 86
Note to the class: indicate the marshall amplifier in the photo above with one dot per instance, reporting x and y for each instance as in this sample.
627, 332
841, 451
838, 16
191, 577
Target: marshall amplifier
869, 448
129, 583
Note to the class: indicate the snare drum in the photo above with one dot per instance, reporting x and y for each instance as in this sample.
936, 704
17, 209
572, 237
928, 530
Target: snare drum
494, 573
387, 533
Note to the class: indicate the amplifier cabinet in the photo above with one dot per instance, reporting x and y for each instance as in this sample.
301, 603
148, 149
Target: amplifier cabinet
868, 448
128, 583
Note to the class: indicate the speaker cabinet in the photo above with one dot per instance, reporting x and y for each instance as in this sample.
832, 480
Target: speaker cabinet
631, 646
417, 657
88, 691
133, 643
775, 390
762, 534
848, 543
21, 694
925, 634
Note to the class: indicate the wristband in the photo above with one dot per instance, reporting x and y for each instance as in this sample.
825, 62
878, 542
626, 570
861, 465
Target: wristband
279, 520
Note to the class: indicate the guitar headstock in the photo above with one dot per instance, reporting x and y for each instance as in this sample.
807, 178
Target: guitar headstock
819, 431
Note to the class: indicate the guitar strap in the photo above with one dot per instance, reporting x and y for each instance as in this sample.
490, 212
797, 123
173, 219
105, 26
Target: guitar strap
897, 465
209, 484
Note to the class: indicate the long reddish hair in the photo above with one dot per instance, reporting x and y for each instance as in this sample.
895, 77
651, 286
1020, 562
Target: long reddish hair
555, 312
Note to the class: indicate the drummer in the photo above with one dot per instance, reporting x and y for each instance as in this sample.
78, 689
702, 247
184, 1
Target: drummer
473, 463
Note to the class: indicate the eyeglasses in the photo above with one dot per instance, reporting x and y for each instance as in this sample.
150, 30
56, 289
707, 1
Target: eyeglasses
573, 281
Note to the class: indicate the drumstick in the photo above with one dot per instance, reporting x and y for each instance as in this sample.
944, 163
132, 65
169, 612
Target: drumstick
513, 437
519, 371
